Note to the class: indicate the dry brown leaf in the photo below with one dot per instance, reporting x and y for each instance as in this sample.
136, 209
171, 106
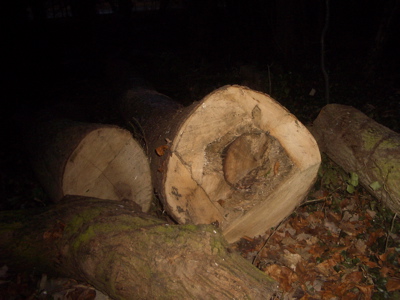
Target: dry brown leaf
306, 272
393, 284
307, 237
298, 223
366, 290
320, 194
360, 246
335, 217
326, 267
317, 250
291, 259
331, 226
353, 277
348, 228
371, 213
161, 150
285, 276
386, 272
389, 251
276, 167
373, 236
371, 264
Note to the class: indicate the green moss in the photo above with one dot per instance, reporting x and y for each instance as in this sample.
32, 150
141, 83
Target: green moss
390, 144
370, 138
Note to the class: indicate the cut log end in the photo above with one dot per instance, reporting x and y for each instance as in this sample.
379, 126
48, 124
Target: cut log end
243, 155
234, 160
109, 164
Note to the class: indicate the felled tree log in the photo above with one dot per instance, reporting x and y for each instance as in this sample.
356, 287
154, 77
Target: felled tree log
94, 160
129, 255
236, 158
360, 145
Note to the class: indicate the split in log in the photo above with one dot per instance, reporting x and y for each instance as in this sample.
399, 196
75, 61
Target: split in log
359, 144
129, 255
237, 158
94, 160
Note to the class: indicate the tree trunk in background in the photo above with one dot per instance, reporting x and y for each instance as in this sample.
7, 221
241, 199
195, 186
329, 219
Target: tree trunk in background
237, 158
385, 30
129, 255
361, 145
94, 160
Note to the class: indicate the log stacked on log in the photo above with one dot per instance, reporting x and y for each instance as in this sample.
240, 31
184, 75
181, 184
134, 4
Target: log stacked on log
236, 158
94, 160
360, 145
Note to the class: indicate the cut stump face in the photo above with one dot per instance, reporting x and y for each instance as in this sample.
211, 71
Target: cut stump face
240, 159
109, 164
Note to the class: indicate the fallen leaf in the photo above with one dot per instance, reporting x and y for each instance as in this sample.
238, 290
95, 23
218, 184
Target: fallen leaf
291, 259
393, 284
385, 271
366, 290
353, 277
276, 167
320, 194
371, 213
161, 150
285, 276
326, 267
331, 227
360, 246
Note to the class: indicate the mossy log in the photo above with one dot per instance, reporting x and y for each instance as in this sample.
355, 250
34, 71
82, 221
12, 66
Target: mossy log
237, 157
361, 145
128, 254
88, 159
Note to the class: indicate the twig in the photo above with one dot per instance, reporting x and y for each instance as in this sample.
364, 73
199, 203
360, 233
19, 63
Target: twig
266, 241
389, 231
315, 200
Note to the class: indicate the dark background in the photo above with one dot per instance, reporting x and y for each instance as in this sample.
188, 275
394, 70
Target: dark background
78, 57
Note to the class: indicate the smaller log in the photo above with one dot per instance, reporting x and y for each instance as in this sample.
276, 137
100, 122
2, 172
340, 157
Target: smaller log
360, 145
93, 160
129, 255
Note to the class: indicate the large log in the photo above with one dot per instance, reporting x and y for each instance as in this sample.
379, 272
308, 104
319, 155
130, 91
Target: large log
129, 255
360, 145
94, 160
237, 158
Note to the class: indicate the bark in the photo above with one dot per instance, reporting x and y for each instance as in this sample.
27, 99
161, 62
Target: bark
236, 158
94, 160
360, 145
129, 255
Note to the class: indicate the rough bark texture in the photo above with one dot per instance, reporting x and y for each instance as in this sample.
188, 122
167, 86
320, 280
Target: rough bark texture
237, 157
361, 145
94, 160
130, 255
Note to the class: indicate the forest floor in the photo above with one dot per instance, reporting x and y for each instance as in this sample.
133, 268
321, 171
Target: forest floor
336, 245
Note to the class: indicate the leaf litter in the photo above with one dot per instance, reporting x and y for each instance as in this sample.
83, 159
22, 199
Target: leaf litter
336, 245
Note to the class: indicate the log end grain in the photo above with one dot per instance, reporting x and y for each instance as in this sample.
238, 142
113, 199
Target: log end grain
241, 159
109, 164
